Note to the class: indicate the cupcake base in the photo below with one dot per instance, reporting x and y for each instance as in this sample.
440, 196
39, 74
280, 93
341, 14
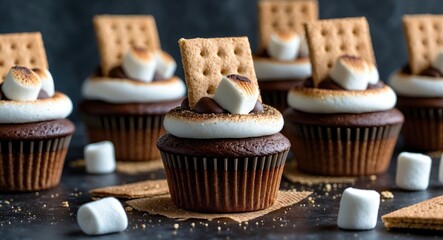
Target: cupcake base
243, 176
343, 144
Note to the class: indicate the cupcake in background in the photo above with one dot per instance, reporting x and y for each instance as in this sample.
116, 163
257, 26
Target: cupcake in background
223, 151
283, 56
34, 134
341, 122
127, 98
419, 85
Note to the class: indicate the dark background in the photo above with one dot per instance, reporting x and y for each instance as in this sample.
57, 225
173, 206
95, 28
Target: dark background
72, 52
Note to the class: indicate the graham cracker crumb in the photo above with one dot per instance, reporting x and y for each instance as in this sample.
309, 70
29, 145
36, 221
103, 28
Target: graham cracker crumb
387, 195
65, 204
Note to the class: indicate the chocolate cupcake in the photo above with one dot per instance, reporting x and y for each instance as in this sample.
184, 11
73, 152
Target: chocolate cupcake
218, 157
126, 100
419, 85
283, 57
34, 134
342, 121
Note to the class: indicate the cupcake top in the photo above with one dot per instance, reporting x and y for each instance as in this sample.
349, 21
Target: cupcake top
133, 68
423, 75
223, 95
283, 51
27, 88
345, 78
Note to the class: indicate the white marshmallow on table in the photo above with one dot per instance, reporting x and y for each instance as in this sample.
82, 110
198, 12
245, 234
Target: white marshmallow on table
284, 46
438, 62
21, 84
413, 171
166, 65
236, 94
351, 73
304, 49
47, 81
100, 157
102, 216
140, 64
358, 209
373, 75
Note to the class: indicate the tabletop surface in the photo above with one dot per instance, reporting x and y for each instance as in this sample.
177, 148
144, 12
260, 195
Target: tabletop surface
41, 215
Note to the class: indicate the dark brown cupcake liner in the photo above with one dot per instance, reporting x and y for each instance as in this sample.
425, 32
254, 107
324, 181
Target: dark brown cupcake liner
134, 137
423, 128
224, 184
277, 99
32, 165
343, 151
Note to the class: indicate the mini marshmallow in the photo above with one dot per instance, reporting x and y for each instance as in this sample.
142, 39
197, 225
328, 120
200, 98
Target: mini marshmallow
284, 46
21, 84
102, 216
140, 64
413, 171
438, 62
47, 81
373, 75
100, 157
166, 65
236, 94
351, 73
358, 209
304, 49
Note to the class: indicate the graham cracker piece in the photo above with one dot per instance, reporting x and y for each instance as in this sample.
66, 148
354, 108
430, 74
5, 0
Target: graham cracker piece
284, 16
207, 60
424, 39
22, 49
292, 174
142, 189
332, 38
163, 205
423, 215
116, 34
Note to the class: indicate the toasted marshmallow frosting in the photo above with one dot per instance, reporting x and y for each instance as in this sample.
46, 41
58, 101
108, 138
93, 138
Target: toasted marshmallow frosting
120, 90
416, 86
316, 100
57, 107
189, 124
268, 69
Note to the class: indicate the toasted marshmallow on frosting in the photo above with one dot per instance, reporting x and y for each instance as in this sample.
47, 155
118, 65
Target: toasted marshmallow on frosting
438, 62
373, 75
351, 73
284, 46
21, 84
140, 64
166, 64
47, 81
236, 94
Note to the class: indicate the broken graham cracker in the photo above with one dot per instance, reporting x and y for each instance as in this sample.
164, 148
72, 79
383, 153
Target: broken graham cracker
116, 34
148, 188
284, 16
163, 205
424, 39
332, 38
423, 215
207, 60
21, 49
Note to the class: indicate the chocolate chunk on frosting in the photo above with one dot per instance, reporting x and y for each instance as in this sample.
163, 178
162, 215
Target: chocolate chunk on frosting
331, 85
428, 72
208, 105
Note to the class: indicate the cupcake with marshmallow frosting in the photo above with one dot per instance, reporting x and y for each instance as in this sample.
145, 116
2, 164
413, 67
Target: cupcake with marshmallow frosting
126, 100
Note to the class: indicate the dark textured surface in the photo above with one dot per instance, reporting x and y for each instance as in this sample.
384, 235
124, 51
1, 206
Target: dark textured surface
69, 39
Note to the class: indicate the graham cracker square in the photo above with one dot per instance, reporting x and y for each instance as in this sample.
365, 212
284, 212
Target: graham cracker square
21, 49
207, 60
424, 39
332, 38
284, 16
423, 215
116, 34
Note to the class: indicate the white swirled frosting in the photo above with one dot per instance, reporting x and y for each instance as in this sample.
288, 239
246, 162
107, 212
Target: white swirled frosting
416, 86
268, 69
316, 100
57, 107
188, 124
120, 90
